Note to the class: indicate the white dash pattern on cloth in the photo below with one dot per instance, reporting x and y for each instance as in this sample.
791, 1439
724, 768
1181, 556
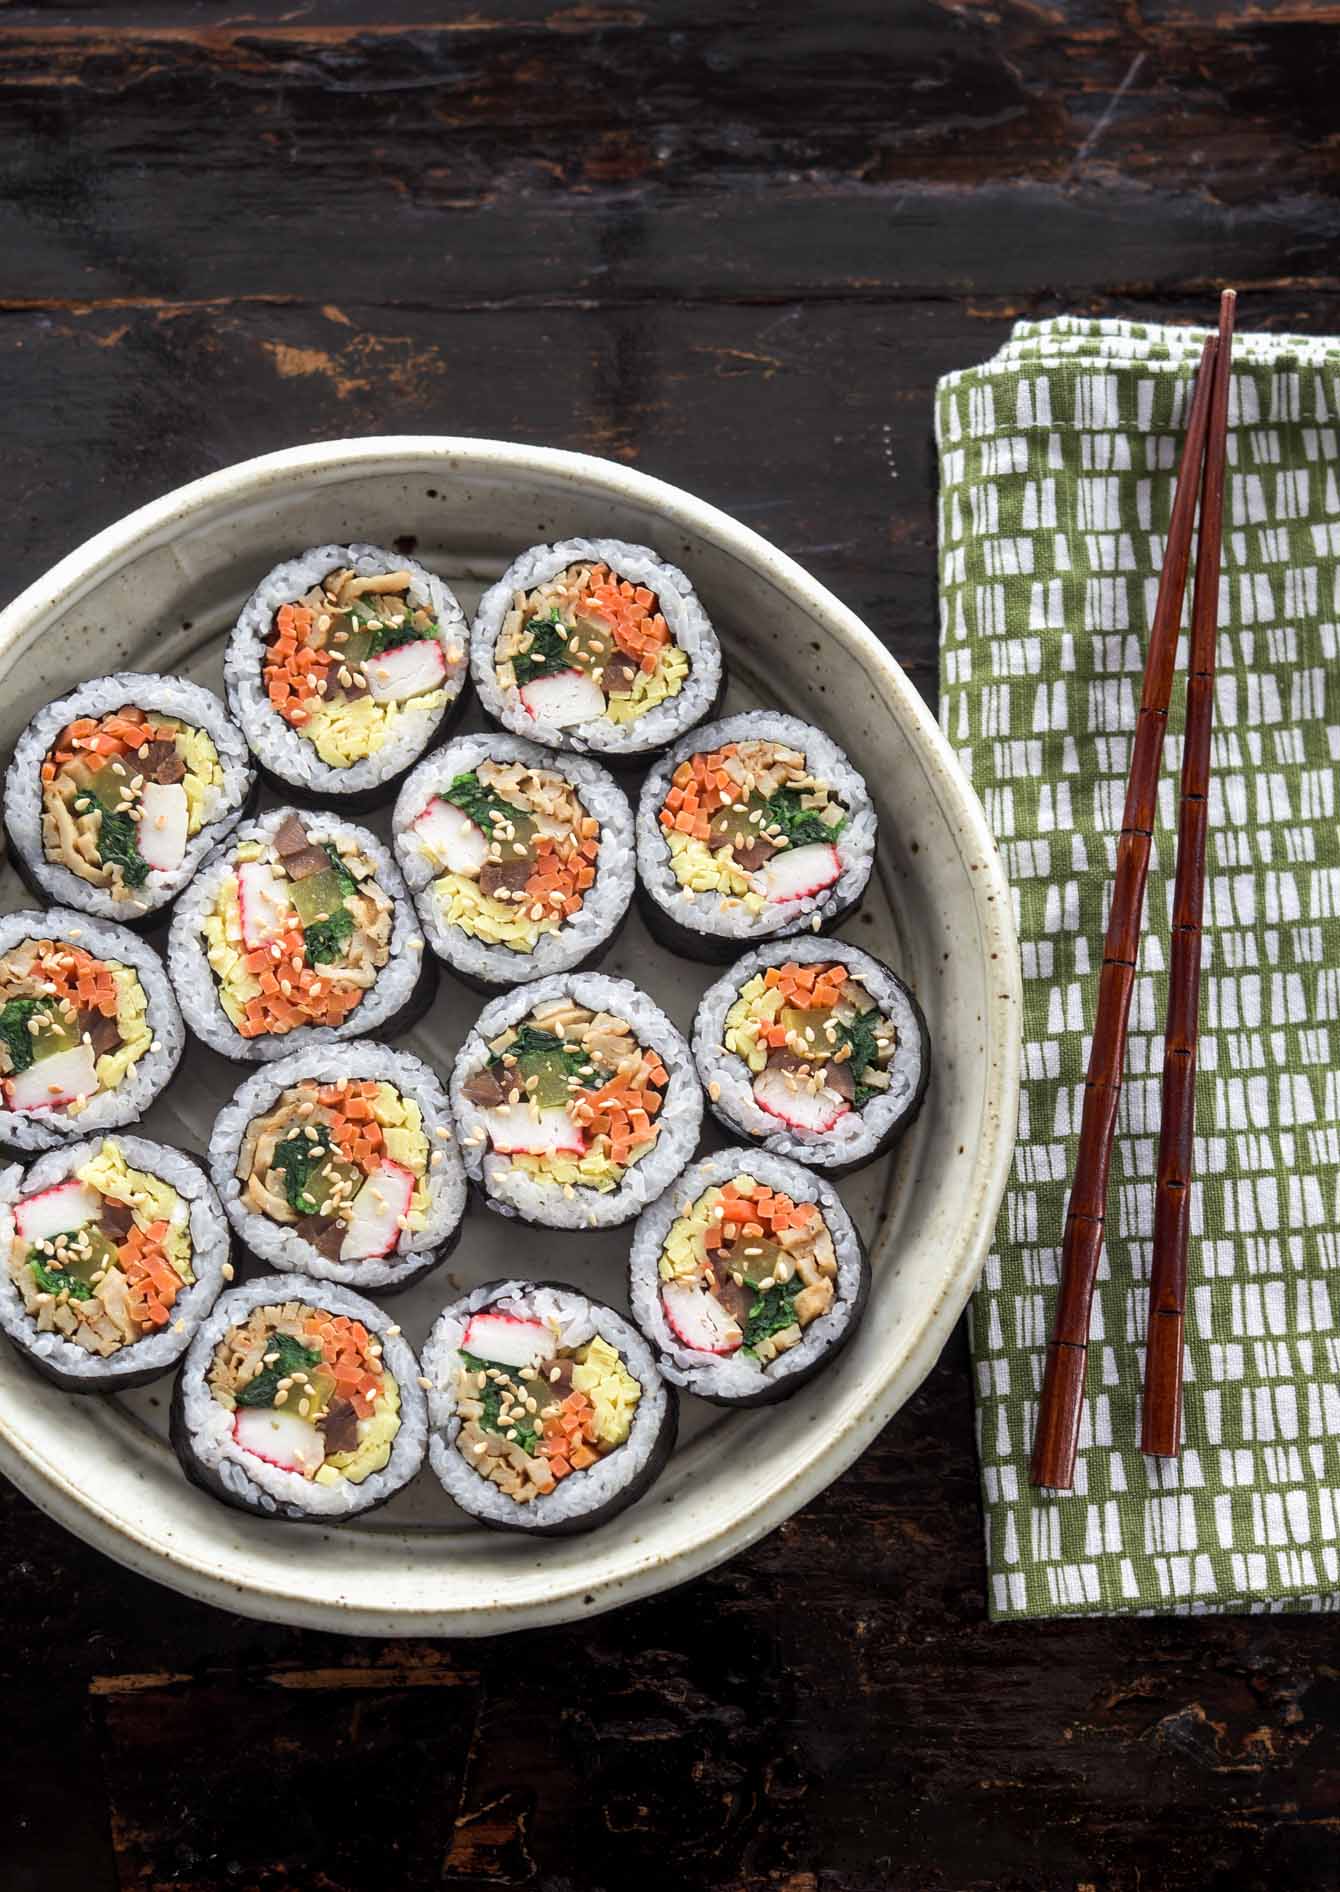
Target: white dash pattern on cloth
1057, 462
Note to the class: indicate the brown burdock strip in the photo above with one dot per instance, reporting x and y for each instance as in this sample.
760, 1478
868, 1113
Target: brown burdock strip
1062, 1402
1161, 1430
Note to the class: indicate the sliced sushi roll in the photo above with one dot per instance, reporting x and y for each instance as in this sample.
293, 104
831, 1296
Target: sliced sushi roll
594, 644
299, 931
520, 862
546, 1410
342, 668
340, 1163
815, 1050
747, 1277
118, 791
115, 1250
299, 1399
90, 1032
576, 1102
755, 827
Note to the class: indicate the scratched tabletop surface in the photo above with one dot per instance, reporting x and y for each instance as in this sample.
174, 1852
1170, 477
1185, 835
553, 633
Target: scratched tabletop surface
732, 243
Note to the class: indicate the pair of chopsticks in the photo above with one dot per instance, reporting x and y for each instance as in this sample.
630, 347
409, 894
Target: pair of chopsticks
1062, 1402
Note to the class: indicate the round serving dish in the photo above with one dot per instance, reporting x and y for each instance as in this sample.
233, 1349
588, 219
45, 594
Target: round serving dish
158, 590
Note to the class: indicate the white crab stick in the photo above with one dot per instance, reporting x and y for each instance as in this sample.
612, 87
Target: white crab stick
379, 1207
55, 1081
507, 1339
517, 1130
164, 819
797, 1105
280, 1438
565, 698
408, 670
264, 901
70, 1205
698, 1319
450, 839
798, 871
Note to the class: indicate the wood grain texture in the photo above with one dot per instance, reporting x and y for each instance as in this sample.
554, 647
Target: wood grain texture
735, 246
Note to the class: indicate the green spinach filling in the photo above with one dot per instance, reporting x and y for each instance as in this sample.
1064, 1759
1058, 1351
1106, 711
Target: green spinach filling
118, 844
860, 1035
773, 1311
548, 652
521, 1429
57, 1280
325, 940
293, 1358
19, 1041
480, 805
801, 826
298, 1158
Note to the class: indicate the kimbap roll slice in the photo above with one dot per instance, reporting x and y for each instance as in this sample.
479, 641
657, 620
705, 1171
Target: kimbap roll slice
747, 1277
341, 669
340, 1163
576, 1102
755, 827
90, 1032
815, 1050
546, 1411
298, 931
520, 862
594, 644
118, 791
299, 1399
115, 1249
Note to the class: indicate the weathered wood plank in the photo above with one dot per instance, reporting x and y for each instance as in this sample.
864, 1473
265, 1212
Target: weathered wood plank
809, 422
454, 167
831, 1704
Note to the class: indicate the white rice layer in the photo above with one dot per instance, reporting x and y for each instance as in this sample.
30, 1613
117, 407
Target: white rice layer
281, 1246
194, 978
574, 1320
859, 1132
685, 619
108, 1110
210, 1244
269, 1488
603, 904
285, 751
708, 912
514, 1191
738, 1375
167, 696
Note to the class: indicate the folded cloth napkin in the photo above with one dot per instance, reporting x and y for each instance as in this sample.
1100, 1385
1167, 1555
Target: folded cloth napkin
1057, 463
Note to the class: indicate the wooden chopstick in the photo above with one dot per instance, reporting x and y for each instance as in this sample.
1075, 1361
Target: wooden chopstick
1061, 1405
1161, 1427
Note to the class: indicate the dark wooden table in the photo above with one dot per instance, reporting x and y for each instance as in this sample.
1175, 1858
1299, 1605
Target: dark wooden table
733, 242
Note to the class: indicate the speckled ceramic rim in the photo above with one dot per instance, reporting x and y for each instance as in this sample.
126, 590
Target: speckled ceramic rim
185, 1547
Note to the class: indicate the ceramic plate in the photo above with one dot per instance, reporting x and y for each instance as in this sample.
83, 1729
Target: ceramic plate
158, 592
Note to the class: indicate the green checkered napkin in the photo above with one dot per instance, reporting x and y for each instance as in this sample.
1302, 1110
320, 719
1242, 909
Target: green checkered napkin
1057, 461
